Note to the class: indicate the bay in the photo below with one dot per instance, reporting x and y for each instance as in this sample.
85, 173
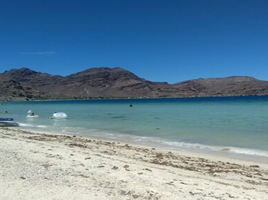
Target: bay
229, 125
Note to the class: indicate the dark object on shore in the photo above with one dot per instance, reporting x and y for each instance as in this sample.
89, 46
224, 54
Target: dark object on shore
4, 122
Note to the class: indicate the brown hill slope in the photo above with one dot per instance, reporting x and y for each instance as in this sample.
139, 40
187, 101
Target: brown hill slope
117, 82
106, 82
13, 90
32, 79
229, 86
95, 82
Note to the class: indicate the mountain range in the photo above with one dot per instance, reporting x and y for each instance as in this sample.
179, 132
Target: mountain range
104, 82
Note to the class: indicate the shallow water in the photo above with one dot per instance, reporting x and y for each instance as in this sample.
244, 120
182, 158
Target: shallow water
233, 125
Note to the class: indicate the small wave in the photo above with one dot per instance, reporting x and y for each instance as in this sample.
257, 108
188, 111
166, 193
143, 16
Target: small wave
187, 145
41, 126
150, 140
25, 125
249, 152
194, 146
31, 125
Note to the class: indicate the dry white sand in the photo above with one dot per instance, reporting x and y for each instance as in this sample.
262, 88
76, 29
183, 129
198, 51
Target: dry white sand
61, 167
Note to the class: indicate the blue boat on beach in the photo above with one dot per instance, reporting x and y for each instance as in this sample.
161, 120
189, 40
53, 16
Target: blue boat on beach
5, 122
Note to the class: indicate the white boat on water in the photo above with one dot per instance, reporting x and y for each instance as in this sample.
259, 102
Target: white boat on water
59, 115
31, 114
5, 122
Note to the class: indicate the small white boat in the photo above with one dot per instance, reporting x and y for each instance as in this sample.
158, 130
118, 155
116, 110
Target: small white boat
59, 115
31, 114
5, 122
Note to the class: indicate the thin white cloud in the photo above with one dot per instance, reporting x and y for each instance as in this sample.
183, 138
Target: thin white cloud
39, 53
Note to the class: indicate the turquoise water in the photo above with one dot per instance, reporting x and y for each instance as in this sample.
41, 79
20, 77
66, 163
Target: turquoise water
237, 125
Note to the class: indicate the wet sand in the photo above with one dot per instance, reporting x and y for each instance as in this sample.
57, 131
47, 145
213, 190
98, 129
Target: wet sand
35, 165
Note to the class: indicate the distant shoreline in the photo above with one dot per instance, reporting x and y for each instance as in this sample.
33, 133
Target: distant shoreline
132, 98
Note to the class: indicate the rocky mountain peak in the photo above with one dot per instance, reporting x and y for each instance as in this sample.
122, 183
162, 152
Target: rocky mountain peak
20, 74
103, 72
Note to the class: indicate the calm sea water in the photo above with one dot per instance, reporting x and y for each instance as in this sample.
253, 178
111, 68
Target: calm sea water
231, 125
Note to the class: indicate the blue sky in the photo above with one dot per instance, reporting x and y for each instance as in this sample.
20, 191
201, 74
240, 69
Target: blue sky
159, 40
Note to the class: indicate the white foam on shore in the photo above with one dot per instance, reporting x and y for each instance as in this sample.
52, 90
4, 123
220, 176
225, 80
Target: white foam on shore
31, 125
251, 152
235, 150
150, 140
190, 146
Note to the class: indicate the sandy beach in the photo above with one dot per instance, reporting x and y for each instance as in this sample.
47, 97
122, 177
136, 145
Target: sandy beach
35, 165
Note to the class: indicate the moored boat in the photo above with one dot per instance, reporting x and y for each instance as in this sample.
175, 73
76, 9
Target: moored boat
59, 115
31, 114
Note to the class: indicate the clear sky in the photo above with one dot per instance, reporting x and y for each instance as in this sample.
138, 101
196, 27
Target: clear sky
159, 40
